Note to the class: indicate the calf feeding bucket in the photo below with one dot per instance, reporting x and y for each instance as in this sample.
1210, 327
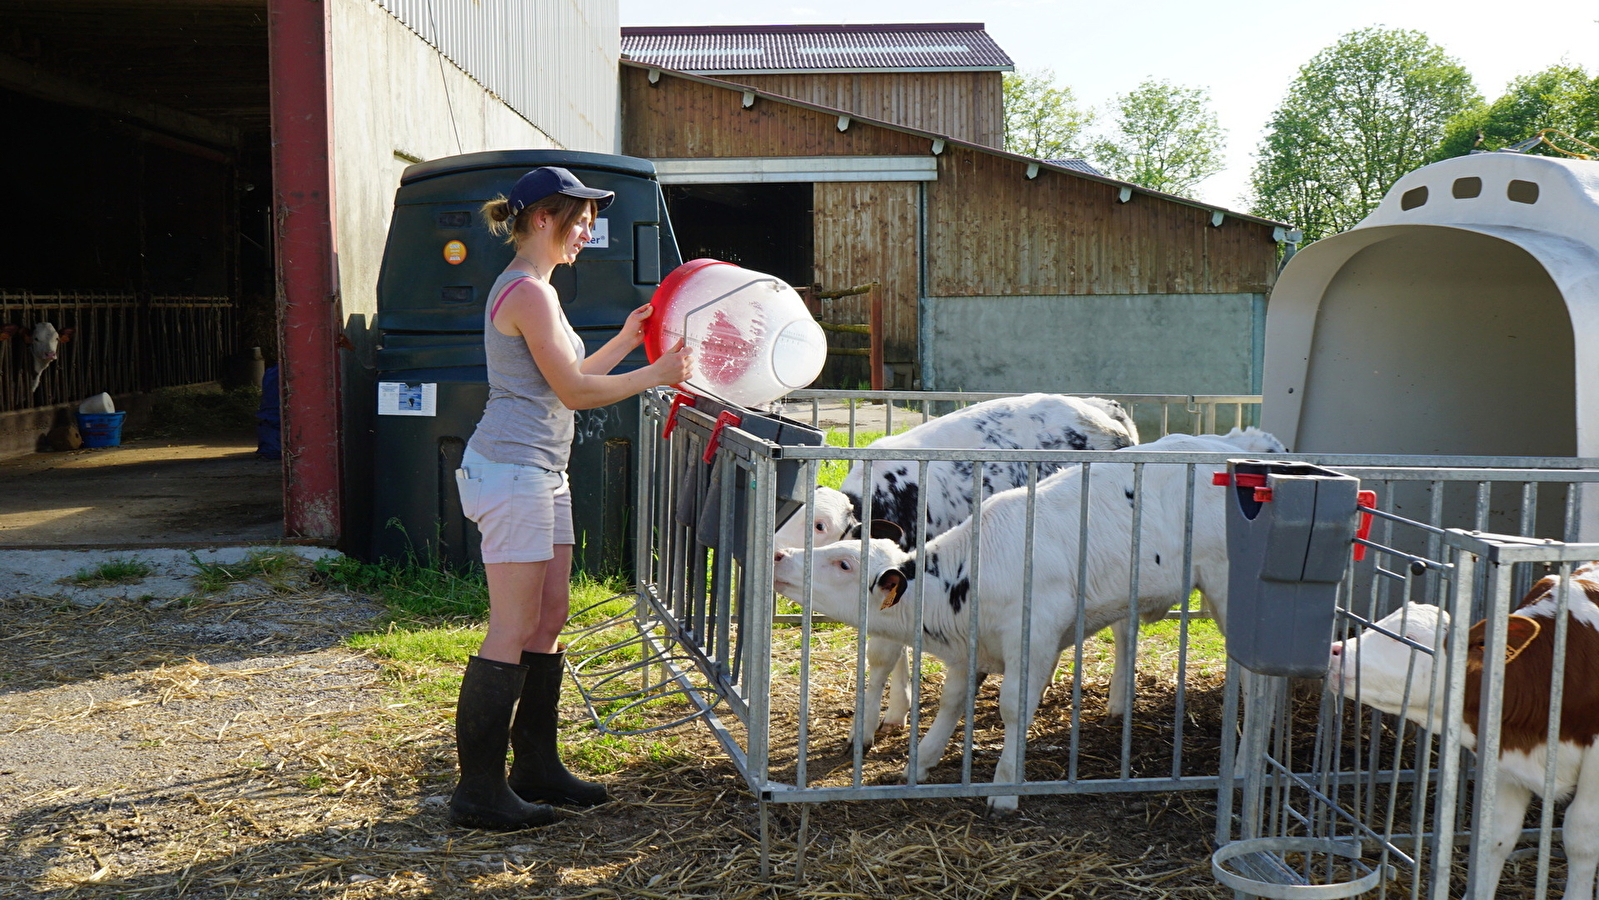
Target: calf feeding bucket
752, 338
1289, 528
101, 429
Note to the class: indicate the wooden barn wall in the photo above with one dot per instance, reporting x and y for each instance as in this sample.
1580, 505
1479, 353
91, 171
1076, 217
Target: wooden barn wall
967, 106
680, 119
994, 232
866, 231
1001, 251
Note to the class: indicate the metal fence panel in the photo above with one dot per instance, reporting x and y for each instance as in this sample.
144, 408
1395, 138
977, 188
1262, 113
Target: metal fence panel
120, 343
1335, 796
775, 679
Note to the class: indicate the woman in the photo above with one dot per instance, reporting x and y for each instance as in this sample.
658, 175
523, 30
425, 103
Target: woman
513, 484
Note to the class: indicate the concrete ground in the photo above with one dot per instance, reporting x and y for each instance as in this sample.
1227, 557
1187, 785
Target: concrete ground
835, 414
148, 492
154, 499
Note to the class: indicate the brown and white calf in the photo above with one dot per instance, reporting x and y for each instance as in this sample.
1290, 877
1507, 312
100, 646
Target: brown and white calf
44, 343
1380, 667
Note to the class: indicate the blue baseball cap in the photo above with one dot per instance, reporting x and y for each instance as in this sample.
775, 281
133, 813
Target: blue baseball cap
547, 180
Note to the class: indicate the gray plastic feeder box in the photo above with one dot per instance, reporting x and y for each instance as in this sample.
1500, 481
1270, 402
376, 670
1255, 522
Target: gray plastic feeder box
1289, 532
700, 497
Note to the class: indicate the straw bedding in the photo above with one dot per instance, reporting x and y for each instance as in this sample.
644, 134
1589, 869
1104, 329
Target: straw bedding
239, 749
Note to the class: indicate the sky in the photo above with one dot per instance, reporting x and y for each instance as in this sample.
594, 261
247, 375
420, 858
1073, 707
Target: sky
1244, 52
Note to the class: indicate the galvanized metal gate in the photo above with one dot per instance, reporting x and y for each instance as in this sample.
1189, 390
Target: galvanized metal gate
760, 672
1328, 797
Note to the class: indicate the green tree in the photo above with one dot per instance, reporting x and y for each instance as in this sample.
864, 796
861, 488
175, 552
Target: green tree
1163, 137
1041, 120
1361, 113
1562, 96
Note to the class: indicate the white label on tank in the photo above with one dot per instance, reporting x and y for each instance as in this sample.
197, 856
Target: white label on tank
396, 398
602, 234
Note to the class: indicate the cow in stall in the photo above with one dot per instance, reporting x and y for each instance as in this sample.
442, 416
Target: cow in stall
44, 345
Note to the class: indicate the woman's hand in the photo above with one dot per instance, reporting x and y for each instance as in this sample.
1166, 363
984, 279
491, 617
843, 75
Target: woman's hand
676, 365
633, 328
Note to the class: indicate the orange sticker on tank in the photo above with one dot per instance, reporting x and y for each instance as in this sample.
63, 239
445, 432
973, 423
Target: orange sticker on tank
455, 253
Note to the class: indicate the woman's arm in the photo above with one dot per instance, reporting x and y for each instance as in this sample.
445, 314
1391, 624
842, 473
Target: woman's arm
603, 360
532, 311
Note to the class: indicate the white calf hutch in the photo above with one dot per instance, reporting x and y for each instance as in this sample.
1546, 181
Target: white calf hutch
1317, 794
1449, 322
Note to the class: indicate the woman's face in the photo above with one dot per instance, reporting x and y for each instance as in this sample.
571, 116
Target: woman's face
569, 243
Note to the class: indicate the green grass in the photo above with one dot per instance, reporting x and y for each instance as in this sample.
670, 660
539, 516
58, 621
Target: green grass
595, 600
413, 589
267, 565
437, 615
436, 619
831, 472
112, 571
1159, 644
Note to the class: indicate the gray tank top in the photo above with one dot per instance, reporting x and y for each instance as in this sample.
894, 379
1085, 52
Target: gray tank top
523, 422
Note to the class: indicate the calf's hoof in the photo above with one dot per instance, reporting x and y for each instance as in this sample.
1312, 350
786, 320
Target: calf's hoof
888, 730
1002, 806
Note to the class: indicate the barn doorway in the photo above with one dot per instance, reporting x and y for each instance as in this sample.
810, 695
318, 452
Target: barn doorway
763, 227
139, 227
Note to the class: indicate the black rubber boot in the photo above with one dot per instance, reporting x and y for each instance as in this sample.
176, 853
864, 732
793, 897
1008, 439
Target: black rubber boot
537, 773
482, 799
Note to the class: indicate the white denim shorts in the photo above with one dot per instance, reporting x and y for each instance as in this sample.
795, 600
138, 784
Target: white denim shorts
522, 511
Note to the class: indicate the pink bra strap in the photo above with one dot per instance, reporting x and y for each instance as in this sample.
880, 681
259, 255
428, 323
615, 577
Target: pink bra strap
501, 299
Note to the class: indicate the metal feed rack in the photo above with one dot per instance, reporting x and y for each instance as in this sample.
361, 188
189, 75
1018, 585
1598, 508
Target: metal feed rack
704, 619
1335, 799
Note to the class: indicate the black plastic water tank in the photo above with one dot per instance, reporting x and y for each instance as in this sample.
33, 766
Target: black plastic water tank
430, 382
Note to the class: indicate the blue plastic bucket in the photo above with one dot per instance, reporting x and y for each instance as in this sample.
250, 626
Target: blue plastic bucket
101, 429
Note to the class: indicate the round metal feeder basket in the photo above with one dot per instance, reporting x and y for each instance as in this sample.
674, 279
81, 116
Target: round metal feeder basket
1274, 848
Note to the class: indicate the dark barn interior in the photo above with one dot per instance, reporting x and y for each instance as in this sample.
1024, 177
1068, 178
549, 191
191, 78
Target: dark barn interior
138, 181
763, 227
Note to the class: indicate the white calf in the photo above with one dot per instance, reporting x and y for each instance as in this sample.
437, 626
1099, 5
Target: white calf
44, 345
1028, 422
947, 618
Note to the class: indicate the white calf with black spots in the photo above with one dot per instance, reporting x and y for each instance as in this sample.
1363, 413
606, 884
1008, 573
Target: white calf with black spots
1028, 422
947, 617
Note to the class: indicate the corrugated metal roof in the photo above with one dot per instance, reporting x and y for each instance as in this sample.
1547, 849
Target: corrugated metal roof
812, 48
1080, 165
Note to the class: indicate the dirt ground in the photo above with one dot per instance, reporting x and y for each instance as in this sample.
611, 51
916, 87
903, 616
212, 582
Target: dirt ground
235, 746
150, 491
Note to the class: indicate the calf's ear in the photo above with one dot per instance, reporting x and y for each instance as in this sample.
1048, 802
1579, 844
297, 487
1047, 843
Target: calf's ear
883, 528
65, 336
1519, 633
893, 582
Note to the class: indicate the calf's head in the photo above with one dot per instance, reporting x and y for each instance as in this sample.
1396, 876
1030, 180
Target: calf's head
1396, 677
830, 519
836, 576
45, 341
1380, 667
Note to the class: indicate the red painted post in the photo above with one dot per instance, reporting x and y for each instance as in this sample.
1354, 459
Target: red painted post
309, 315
